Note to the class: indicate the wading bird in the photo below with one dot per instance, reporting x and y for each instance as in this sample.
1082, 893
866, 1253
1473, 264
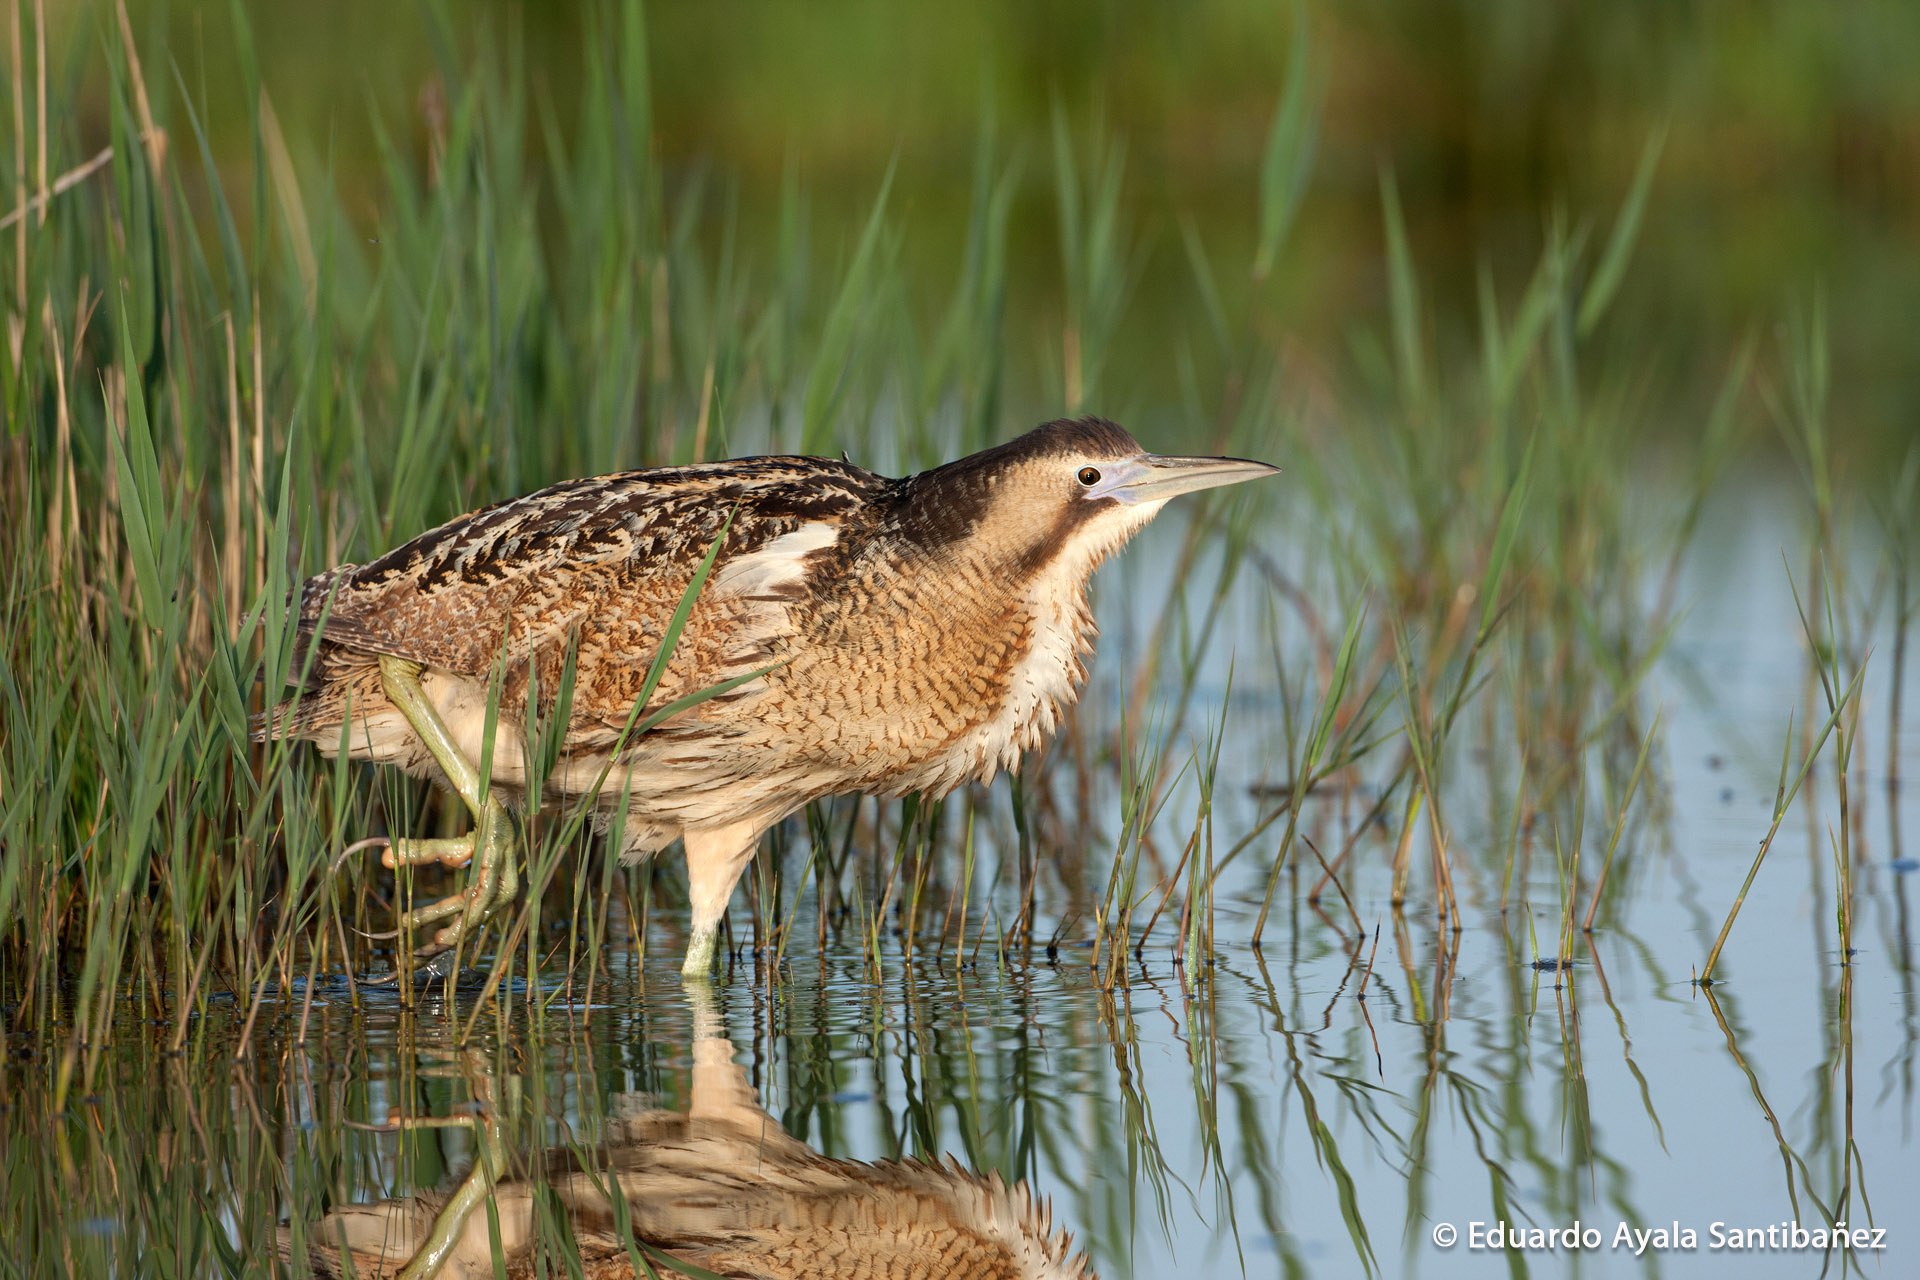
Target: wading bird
855, 634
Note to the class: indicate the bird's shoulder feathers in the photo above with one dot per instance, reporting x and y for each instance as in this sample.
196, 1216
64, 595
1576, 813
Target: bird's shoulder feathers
512, 575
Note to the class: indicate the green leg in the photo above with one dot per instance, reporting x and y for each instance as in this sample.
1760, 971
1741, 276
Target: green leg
489, 845
449, 1225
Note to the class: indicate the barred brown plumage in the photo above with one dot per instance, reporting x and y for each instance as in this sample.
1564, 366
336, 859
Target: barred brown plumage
884, 636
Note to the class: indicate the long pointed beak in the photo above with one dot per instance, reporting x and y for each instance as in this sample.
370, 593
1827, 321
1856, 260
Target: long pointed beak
1152, 478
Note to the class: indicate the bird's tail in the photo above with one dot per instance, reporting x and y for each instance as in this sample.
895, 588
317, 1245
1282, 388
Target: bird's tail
308, 707
285, 719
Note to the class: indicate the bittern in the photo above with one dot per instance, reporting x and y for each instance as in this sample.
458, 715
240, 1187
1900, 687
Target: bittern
856, 633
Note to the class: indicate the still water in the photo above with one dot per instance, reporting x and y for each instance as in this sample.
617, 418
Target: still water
1369, 1090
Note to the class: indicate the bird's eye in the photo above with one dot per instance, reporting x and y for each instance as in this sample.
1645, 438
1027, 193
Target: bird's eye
1089, 476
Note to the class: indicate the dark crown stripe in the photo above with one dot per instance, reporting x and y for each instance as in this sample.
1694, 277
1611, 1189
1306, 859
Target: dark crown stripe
945, 504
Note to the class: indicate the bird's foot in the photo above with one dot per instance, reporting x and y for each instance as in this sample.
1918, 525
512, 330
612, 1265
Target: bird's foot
490, 847
496, 878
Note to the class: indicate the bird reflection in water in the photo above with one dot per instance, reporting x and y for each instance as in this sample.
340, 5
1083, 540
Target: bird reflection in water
718, 1189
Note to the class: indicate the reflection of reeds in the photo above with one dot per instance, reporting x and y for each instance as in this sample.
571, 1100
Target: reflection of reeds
717, 1188
1899, 512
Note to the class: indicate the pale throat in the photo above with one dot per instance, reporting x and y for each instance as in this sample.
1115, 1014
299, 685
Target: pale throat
1046, 681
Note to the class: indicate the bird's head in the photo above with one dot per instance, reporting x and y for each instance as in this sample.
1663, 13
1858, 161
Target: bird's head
1061, 498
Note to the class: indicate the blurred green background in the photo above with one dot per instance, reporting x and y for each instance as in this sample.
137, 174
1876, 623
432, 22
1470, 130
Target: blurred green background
1790, 171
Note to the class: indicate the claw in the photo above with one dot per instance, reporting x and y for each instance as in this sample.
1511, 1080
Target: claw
496, 882
489, 846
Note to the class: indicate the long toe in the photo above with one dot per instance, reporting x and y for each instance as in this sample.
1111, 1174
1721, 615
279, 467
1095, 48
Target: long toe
436, 911
451, 851
495, 879
470, 910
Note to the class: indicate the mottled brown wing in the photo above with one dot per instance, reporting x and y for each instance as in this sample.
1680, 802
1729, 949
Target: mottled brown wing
610, 553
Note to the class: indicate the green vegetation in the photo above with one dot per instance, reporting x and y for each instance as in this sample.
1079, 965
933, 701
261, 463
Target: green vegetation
231, 361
